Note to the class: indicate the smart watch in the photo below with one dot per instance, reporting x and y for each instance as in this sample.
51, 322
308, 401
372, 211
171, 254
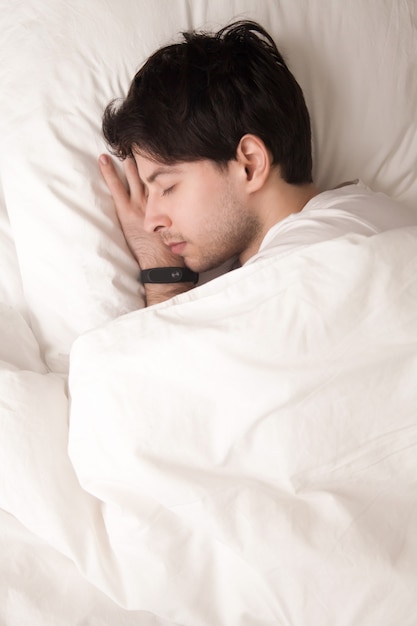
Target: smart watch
165, 275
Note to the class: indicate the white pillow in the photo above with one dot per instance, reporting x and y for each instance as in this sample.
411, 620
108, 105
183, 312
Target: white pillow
11, 289
61, 63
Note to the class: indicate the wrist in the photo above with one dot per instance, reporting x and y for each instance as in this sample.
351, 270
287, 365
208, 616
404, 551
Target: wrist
156, 293
163, 283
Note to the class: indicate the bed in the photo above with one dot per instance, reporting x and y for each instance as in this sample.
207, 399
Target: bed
245, 454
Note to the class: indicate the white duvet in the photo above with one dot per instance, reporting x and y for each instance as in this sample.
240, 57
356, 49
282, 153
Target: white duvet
242, 455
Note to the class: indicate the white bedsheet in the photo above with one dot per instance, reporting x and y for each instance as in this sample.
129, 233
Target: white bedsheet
49, 525
246, 452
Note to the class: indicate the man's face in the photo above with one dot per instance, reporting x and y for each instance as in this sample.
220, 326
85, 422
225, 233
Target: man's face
200, 210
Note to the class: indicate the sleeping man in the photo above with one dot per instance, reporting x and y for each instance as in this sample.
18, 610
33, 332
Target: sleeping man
253, 441
216, 141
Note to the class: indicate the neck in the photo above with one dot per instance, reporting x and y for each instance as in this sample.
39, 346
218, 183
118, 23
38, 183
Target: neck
274, 202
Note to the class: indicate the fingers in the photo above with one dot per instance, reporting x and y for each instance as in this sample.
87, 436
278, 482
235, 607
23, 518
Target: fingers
114, 183
133, 180
129, 202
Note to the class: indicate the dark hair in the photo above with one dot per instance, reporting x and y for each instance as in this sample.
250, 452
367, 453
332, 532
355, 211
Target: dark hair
196, 99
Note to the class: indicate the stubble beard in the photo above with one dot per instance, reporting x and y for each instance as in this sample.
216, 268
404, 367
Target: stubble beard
239, 230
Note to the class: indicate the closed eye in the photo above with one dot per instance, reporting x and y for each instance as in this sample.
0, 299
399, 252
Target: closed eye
166, 192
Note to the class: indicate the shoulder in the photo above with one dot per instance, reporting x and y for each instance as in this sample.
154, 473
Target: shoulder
350, 208
357, 202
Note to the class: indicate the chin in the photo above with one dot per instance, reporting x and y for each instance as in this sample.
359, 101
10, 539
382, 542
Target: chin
194, 264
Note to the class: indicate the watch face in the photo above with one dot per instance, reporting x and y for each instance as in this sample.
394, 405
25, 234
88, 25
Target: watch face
176, 275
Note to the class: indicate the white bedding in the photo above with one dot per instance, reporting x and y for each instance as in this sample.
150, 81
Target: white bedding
244, 455
259, 436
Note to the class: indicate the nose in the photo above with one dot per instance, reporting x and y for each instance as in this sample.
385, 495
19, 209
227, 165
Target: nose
155, 219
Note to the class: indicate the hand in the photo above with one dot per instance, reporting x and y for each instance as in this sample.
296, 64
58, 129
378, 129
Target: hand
147, 248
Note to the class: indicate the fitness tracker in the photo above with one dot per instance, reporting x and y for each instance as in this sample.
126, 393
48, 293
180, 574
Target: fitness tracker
165, 275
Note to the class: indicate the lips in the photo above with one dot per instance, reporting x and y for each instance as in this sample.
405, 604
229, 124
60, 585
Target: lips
177, 248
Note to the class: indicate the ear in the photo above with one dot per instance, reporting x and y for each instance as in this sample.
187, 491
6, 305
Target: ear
254, 157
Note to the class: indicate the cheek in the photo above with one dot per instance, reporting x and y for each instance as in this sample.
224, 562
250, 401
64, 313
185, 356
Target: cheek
205, 207
196, 207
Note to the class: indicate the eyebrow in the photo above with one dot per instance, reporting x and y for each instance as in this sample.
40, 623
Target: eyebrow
160, 171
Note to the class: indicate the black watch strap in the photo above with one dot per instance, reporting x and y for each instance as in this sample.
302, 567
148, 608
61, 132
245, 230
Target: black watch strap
165, 275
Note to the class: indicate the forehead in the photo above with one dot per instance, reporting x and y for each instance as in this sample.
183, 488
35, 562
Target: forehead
151, 169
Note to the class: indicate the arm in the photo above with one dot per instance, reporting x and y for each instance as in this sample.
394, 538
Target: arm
147, 248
